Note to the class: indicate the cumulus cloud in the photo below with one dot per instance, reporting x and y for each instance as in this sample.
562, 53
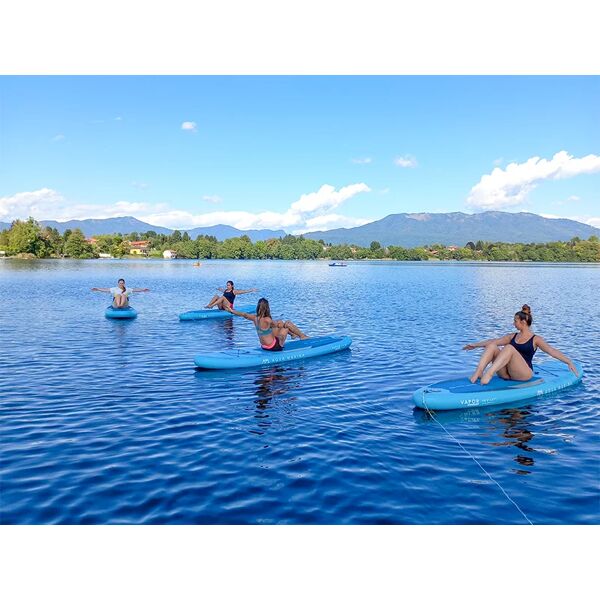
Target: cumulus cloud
189, 126
362, 161
504, 188
407, 161
327, 198
47, 204
212, 199
311, 211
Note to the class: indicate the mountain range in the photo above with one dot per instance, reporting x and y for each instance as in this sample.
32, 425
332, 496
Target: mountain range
419, 229
403, 229
91, 227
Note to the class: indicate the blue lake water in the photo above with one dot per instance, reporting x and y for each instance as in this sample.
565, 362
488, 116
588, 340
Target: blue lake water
109, 422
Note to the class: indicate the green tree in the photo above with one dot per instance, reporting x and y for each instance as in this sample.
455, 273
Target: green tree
77, 246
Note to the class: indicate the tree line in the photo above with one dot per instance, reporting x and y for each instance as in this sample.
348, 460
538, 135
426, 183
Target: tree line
28, 238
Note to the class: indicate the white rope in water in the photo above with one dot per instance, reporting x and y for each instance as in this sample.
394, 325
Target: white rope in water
480, 465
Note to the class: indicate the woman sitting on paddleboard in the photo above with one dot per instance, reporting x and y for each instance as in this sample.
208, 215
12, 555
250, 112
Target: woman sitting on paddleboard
228, 297
120, 293
271, 334
513, 361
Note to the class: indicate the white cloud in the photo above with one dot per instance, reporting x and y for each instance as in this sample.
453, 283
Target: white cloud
331, 221
504, 188
189, 126
406, 161
47, 204
311, 211
140, 185
59, 138
327, 198
212, 199
362, 161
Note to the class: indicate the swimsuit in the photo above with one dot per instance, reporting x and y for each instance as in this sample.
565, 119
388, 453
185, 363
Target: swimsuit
275, 345
230, 296
526, 350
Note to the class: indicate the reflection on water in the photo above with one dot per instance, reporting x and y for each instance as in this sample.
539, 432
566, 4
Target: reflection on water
106, 421
272, 388
512, 427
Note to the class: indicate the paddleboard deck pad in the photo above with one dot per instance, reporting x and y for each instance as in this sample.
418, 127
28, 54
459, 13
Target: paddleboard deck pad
120, 313
214, 313
257, 357
451, 394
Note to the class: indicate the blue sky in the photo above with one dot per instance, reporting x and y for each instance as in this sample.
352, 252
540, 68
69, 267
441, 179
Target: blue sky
297, 153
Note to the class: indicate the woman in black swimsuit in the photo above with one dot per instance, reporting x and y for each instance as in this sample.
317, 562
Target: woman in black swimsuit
513, 361
228, 297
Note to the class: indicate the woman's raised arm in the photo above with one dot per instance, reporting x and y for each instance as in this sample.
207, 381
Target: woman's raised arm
543, 345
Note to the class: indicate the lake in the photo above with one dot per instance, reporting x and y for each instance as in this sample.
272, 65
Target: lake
109, 422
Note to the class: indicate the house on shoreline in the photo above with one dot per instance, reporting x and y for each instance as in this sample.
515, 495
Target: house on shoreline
139, 248
169, 254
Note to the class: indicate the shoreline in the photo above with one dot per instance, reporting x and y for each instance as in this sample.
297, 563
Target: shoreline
436, 261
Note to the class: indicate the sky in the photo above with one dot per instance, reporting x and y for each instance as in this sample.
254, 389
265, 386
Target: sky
299, 153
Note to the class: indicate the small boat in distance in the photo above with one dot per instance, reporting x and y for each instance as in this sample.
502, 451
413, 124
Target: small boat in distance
338, 264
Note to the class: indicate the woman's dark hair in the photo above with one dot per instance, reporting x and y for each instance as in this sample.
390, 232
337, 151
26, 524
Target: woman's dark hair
121, 280
525, 314
231, 282
263, 310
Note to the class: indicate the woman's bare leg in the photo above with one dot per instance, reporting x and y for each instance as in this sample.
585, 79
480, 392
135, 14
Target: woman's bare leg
212, 302
281, 334
295, 330
120, 301
489, 354
515, 364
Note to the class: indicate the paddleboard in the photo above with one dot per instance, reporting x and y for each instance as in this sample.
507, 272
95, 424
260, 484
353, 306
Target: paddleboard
257, 357
549, 376
120, 313
214, 313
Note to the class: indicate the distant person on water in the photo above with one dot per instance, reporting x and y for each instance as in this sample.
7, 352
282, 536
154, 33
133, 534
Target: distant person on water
120, 293
271, 334
228, 297
511, 355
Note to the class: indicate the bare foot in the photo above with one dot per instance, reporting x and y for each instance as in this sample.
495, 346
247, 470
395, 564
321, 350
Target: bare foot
486, 378
474, 377
303, 337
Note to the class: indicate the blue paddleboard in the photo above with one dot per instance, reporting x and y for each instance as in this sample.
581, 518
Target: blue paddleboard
213, 313
120, 313
548, 377
257, 357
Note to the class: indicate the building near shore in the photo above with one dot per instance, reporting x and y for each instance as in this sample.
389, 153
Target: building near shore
139, 248
169, 254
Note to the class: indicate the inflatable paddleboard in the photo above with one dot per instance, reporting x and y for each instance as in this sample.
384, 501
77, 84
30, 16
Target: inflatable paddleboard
120, 313
549, 376
257, 357
214, 313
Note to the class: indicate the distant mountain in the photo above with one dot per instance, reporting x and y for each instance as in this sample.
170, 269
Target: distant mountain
91, 227
404, 229
420, 229
224, 232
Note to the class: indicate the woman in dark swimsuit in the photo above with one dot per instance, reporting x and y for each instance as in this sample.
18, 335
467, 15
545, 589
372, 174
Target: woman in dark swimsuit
513, 360
228, 297
271, 334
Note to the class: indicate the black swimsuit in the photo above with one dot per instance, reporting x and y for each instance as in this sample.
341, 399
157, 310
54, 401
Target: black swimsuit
526, 350
230, 296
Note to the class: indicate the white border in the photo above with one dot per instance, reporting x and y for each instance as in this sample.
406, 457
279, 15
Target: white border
308, 37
